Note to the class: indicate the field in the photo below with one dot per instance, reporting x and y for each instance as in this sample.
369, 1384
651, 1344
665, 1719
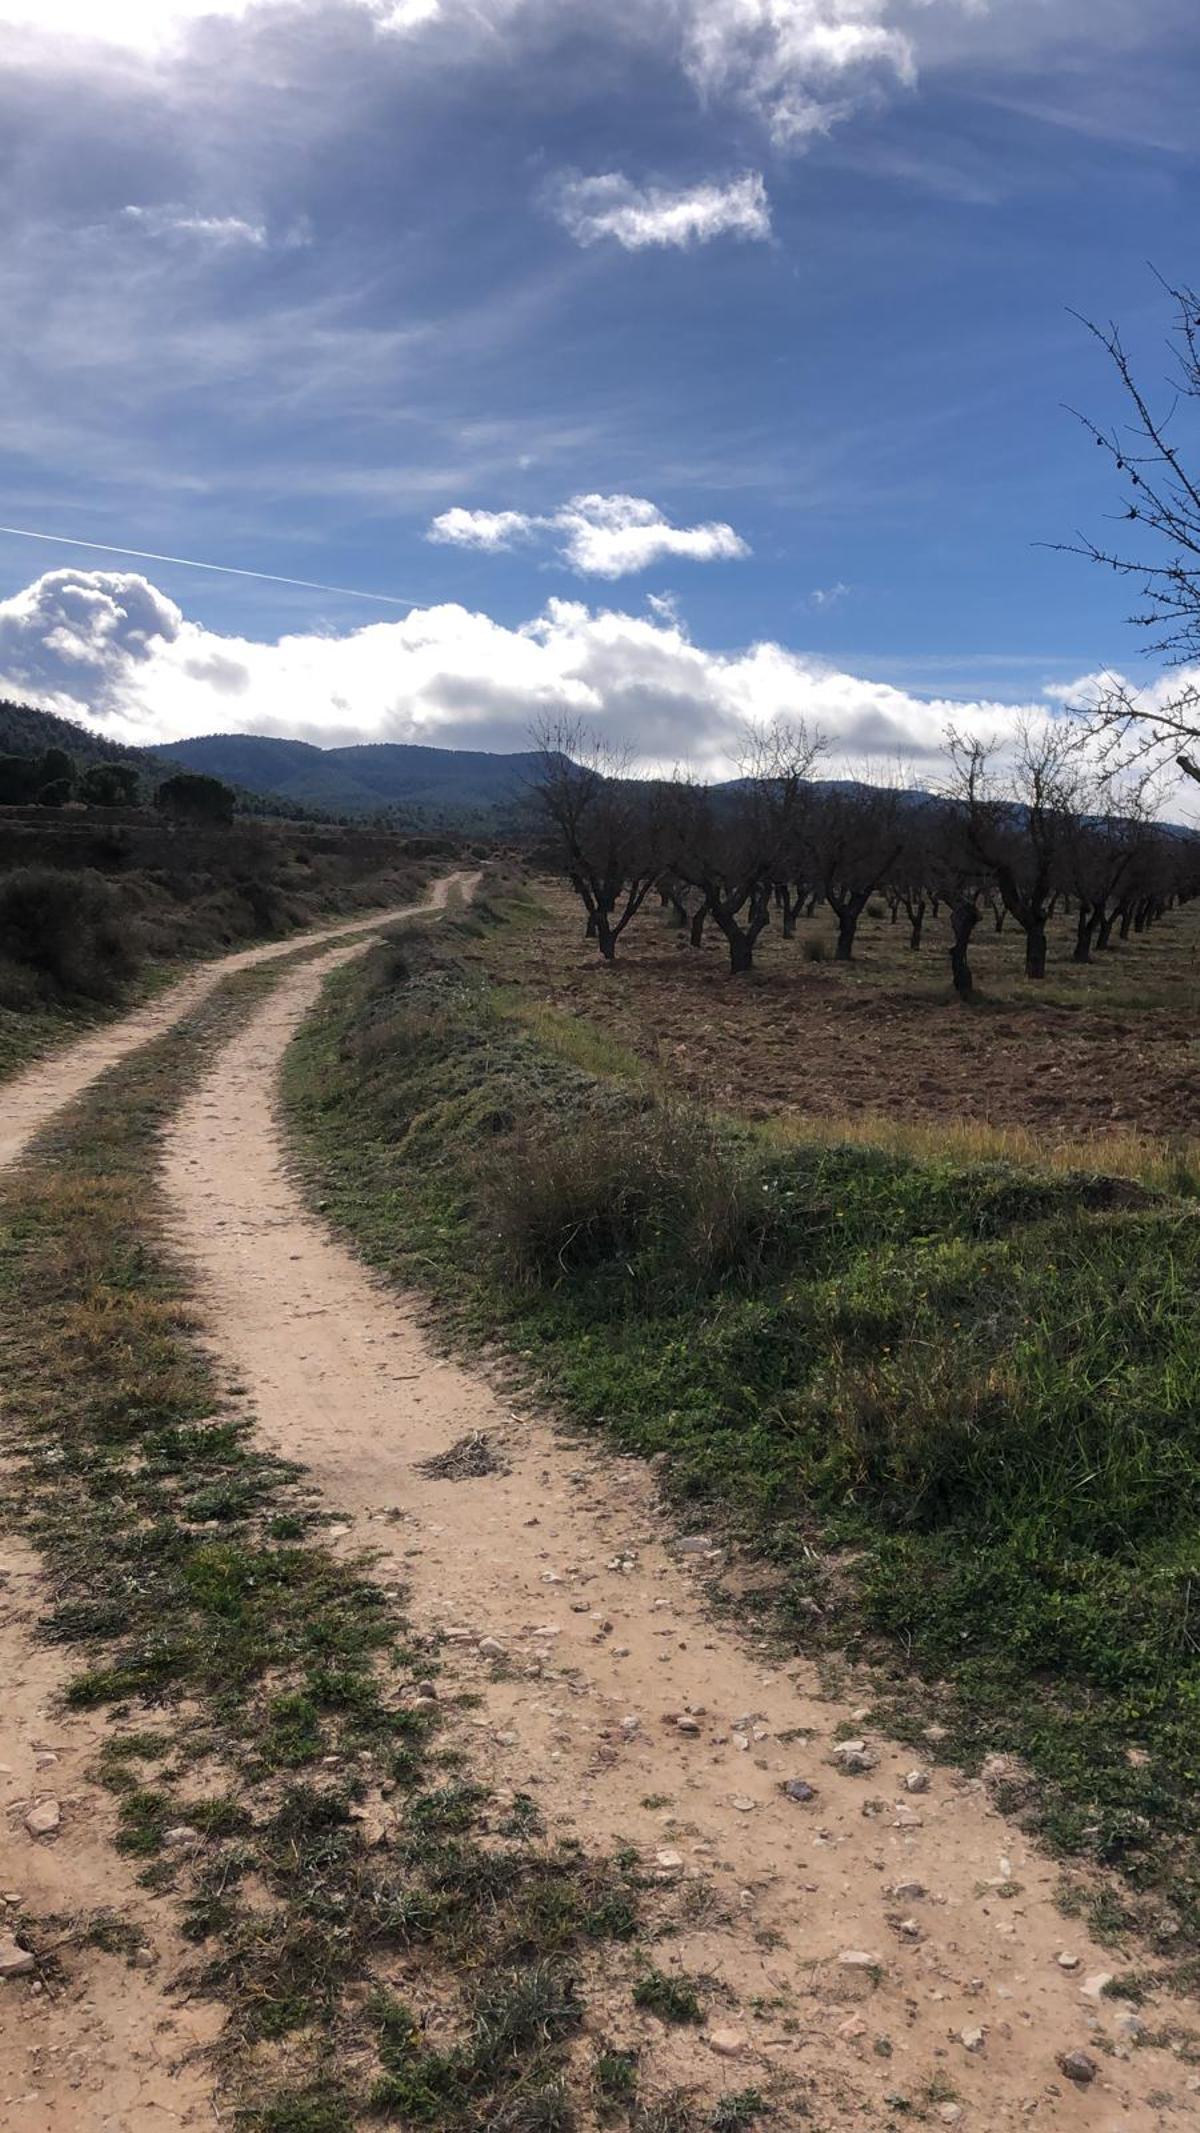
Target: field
947, 1403
1104, 1052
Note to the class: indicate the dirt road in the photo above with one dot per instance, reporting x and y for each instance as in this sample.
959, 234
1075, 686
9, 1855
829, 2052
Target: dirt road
31, 1099
893, 1937
111, 2050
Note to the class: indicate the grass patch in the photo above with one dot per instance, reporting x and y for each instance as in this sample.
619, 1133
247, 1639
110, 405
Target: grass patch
258, 1690
670, 1996
974, 1388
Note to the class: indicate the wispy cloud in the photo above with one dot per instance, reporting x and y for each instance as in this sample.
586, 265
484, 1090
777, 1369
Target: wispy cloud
823, 597
599, 536
164, 221
638, 217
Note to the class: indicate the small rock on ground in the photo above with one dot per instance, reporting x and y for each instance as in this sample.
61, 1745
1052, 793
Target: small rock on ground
1078, 2066
15, 1961
43, 1818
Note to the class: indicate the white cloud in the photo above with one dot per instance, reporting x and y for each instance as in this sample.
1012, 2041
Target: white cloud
218, 230
146, 25
599, 536
799, 65
795, 61
637, 217
610, 536
110, 647
823, 597
489, 530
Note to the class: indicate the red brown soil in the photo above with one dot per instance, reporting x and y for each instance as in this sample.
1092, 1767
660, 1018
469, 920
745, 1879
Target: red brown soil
1109, 1048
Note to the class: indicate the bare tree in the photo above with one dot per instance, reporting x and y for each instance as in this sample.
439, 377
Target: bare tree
735, 843
1111, 832
856, 839
602, 825
1018, 824
1161, 550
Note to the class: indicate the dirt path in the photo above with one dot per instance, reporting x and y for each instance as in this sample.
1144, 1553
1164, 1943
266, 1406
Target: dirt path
881, 1941
31, 1099
108, 2048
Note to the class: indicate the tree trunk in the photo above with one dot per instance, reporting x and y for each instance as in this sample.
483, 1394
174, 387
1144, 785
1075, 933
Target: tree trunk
606, 939
964, 918
1104, 926
847, 928
1035, 949
916, 926
696, 935
1085, 927
741, 952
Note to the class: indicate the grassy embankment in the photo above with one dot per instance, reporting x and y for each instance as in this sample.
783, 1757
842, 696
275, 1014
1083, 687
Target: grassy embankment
952, 1405
79, 945
262, 1694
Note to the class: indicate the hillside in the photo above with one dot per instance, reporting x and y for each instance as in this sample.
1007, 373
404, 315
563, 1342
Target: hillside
27, 731
24, 730
428, 784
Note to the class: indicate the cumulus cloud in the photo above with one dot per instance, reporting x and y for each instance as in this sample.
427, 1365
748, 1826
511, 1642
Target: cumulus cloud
610, 536
72, 637
109, 647
637, 217
599, 536
489, 530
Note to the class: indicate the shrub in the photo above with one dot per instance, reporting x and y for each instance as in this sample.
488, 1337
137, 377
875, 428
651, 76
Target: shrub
875, 909
64, 931
610, 1187
816, 950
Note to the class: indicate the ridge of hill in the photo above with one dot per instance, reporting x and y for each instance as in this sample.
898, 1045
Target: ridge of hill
365, 777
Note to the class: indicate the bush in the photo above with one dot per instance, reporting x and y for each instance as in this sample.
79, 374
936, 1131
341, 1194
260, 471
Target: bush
64, 931
612, 1187
816, 950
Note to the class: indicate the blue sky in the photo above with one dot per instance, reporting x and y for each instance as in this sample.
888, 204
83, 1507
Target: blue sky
679, 362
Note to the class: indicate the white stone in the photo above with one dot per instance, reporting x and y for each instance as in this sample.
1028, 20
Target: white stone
728, 2043
1094, 1987
44, 1818
971, 2039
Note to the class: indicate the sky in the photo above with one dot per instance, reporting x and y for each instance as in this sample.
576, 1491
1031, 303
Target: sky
673, 364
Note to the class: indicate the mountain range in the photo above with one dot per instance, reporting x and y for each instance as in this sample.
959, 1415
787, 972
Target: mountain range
429, 785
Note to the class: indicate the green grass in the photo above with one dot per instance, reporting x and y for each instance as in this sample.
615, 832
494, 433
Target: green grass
257, 1689
976, 1388
672, 1997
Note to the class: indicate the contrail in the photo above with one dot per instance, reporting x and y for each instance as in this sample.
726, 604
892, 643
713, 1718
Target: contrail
190, 562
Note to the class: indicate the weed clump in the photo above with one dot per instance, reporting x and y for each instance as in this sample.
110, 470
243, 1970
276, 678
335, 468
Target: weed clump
671, 1998
656, 1187
62, 938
